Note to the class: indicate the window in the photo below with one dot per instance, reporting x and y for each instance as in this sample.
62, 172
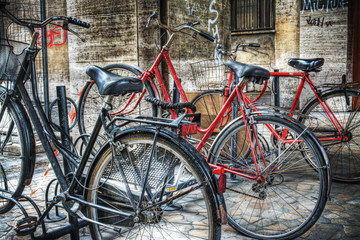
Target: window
252, 15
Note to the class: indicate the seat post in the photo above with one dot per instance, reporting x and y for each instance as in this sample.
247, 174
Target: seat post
108, 102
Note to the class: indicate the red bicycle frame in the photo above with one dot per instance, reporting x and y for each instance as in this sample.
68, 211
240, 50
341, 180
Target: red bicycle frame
154, 71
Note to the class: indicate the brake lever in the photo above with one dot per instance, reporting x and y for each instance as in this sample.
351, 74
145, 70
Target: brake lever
245, 50
154, 15
76, 34
193, 24
66, 27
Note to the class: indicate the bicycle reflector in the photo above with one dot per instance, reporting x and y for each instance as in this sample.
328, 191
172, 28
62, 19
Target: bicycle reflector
188, 129
219, 179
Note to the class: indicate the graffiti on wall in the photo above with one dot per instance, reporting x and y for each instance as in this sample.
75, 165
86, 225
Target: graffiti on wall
55, 37
323, 5
212, 23
194, 8
319, 22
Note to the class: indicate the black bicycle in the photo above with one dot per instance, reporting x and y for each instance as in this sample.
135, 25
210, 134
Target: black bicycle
145, 182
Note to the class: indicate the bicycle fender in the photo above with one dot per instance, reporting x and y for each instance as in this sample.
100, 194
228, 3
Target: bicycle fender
204, 167
326, 92
28, 132
31, 145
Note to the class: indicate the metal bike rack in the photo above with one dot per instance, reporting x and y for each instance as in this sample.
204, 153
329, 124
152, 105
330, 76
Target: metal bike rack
27, 225
74, 225
276, 87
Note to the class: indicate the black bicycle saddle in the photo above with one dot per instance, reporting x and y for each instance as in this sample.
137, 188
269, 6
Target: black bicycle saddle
112, 84
254, 73
306, 65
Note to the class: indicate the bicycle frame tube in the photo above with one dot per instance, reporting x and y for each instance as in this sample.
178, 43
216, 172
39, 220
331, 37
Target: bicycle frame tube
239, 172
305, 78
42, 125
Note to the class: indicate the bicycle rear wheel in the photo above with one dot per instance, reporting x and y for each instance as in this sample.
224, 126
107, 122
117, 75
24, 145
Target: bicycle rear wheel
176, 174
91, 101
290, 192
17, 151
209, 103
344, 155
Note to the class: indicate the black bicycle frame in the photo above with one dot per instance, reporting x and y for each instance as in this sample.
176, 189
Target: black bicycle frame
41, 123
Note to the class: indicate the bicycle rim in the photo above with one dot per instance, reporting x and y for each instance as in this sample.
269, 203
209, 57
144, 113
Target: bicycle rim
287, 200
343, 154
13, 154
190, 216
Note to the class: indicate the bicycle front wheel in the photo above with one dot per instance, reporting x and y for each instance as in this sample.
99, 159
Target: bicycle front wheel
91, 101
177, 204
344, 154
17, 151
287, 194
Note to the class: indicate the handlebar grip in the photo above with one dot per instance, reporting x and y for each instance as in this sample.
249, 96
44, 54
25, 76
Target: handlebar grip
166, 105
207, 36
78, 22
254, 45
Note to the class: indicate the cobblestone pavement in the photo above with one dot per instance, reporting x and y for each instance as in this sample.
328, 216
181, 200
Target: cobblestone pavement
340, 220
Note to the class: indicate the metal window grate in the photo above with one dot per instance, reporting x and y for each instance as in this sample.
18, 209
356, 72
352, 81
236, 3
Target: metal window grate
252, 15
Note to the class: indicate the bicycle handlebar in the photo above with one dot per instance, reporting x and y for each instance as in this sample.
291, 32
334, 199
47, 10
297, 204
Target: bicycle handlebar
180, 27
45, 22
79, 22
207, 36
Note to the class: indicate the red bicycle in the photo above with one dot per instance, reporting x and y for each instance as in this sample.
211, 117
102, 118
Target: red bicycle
334, 110
276, 168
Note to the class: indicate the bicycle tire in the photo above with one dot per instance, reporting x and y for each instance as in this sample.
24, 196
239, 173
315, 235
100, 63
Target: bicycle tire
17, 151
209, 103
91, 101
343, 155
196, 208
290, 197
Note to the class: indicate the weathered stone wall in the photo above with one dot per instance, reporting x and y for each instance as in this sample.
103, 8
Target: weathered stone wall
118, 34
324, 34
58, 58
214, 19
287, 45
306, 34
111, 38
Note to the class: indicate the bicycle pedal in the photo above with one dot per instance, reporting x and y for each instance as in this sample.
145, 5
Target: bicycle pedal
26, 226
